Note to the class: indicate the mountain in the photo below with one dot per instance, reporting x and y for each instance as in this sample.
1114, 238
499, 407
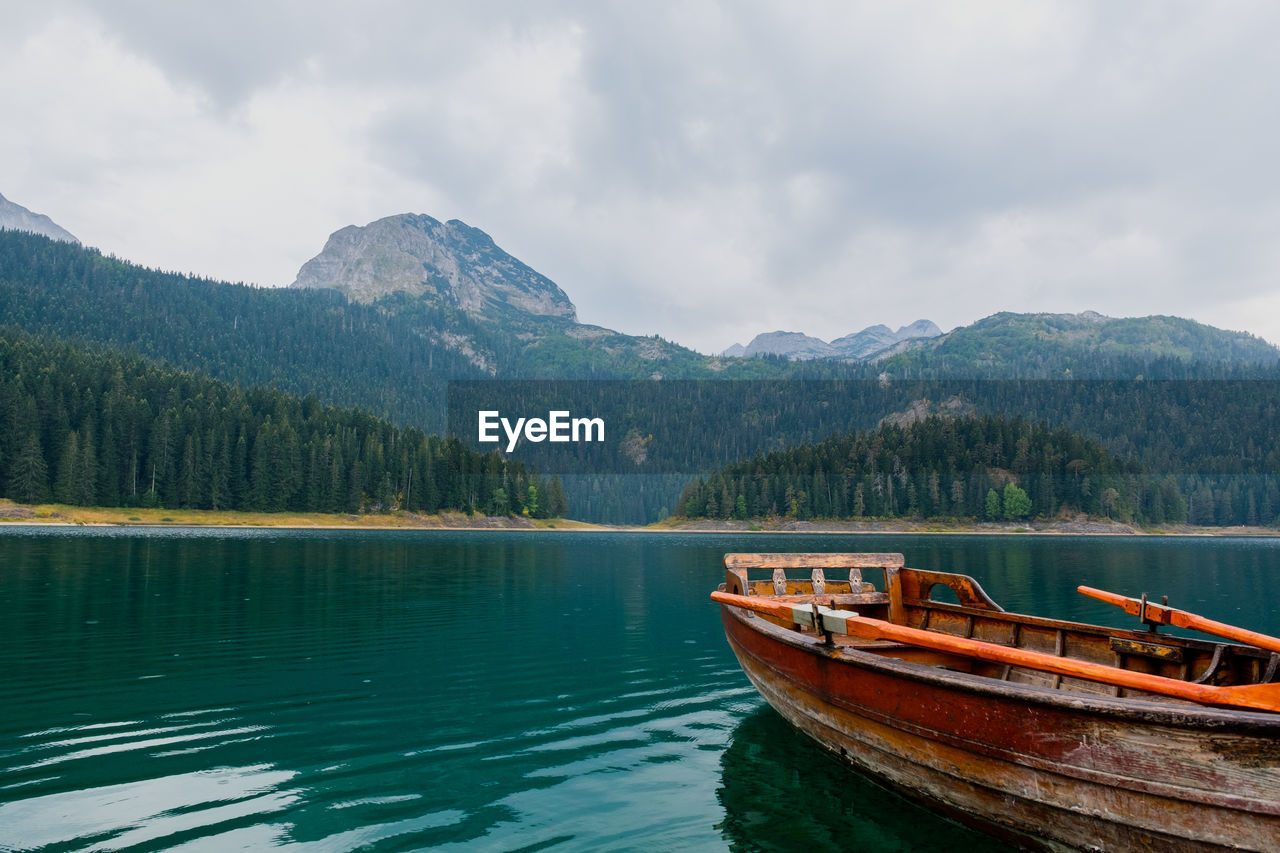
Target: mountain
455, 287
450, 263
15, 217
1050, 344
862, 344
875, 339
858, 346
393, 356
796, 346
1009, 344
301, 341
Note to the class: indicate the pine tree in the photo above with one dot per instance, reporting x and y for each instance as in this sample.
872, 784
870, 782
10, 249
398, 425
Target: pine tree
355, 489
64, 490
335, 491
29, 474
190, 474
86, 475
261, 485
219, 463
556, 504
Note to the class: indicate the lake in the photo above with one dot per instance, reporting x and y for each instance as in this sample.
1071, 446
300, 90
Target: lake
204, 689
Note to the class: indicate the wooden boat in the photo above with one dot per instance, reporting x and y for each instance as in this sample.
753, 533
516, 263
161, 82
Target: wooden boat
1057, 735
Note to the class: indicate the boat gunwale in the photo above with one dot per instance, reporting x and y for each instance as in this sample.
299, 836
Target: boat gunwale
1180, 714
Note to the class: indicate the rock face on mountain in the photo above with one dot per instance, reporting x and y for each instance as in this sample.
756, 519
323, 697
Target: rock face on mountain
954, 406
874, 339
448, 261
15, 217
794, 345
857, 346
862, 344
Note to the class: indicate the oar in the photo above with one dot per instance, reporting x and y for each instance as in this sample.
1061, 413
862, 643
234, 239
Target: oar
1265, 697
1165, 615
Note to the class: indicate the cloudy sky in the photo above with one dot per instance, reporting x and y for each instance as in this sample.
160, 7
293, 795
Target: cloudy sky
704, 171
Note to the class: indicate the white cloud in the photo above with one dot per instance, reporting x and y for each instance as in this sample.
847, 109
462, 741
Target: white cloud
155, 172
697, 170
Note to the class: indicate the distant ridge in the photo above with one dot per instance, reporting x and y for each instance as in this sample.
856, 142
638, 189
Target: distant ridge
15, 217
857, 346
875, 339
1009, 339
796, 346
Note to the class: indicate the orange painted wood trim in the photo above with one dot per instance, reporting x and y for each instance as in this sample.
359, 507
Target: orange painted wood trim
1164, 615
1264, 697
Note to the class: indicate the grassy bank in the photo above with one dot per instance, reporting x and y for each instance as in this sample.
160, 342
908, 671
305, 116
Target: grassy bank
17, 514
1074, 527
11, 513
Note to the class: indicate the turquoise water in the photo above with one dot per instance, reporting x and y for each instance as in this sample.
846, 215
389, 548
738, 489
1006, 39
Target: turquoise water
214, 690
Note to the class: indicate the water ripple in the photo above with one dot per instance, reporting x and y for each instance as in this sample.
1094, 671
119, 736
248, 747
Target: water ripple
112, 817
223, 735
335, 692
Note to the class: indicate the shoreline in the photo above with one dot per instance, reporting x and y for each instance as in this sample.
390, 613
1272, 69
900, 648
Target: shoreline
55, 515
58, 515
1058, 527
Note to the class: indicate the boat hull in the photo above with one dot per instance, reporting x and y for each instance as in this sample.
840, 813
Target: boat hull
1053, 770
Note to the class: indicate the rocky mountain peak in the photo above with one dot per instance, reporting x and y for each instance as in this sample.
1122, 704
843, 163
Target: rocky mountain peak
15, 217
450, 262
857, 346
796, 346
919, 329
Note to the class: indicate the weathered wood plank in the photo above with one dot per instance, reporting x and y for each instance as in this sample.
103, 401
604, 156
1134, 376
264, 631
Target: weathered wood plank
1158, 651
813, 561
843, 599
1264, 697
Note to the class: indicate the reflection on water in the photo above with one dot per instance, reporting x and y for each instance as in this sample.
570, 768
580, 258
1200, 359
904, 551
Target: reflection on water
782, 792
213, 690
114, 817
360, 691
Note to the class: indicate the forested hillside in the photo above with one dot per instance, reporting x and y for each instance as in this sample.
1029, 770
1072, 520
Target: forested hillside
391, 358
1188, 400
984, 468
301, 341
95, 427
1216, 437
1088, 345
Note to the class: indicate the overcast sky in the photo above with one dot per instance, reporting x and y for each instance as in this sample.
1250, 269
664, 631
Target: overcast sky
698, 170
